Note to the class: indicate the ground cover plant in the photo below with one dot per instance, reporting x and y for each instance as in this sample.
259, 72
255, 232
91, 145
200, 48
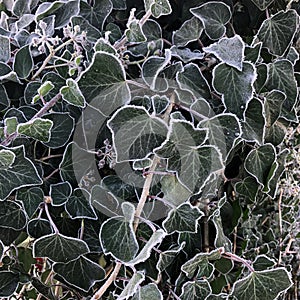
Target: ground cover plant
149, 149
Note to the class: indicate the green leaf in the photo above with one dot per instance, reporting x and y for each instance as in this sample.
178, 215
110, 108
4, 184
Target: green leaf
7, 159
134, 33
184, 218
23, 63
119, 4
38, 227
42, 288
21, 173
10, 125
229, 51
97, 13
4, 99
254, 124
200, 265
191, 79
61, 131
214, 16
148, 292
12, 215
1, 248
59, 248
273, 104
236, 87
81, 273
104, 46
221, 240
158, 8
252, 53
262, 4
277, 32
281, 77
186, 54
31, 199
259, 162
60, 193
189, 31
78, 205
195, 290
131, 287
122, 244
247, 187
37, 128
4, 49
266, 285
263, 262
141, 133
21, 7
43, 90
72, 94
104, 82
174, 192
276, 133
9, 282
223, 131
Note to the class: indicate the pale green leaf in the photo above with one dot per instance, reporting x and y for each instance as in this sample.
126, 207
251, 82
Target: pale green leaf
71, 93
195, 290
7, 158
148, 292
131, 287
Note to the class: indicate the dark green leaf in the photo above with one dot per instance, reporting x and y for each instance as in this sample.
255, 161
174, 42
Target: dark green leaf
214, 16
141, 133
229, 51
184, 218
258, 285
4, 99
236, 87
38, 228
273, 104
59, 248
134, 33
119, 4
247, 187
122, 244
158, 8
189, 31
60, 193
12, 215
80, 273
21, 173
23, 63
262, 4
277, 32
42, 288
8, 283
31, 199
263, 262
78, 205
38, 129
195, 290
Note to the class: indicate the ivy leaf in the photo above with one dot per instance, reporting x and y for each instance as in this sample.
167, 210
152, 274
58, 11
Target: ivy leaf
9, 282
273, 104
4, 49
23, 63
135, 33
72, 94
262, 4
191, 79
184, 218
236, 87
7, 159
254, 124
189, 31
131, 287
4, 99
259, 162
214, 16
59, 248
247, 187
281, 77
148, 292
98, 13
60, 193
119, 4
81, 273
266, 284
223, 131
141, 133
62, 129
78, 205
38, 129
186, 54
12, 215
200, 265
21, 173
195, 290
39, 227
277, 32
229, 51
31, 199
158, 8
263, 262
123, 235
104, 81
42, 288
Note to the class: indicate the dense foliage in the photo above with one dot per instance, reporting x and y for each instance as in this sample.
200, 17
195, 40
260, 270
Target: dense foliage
149, 149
